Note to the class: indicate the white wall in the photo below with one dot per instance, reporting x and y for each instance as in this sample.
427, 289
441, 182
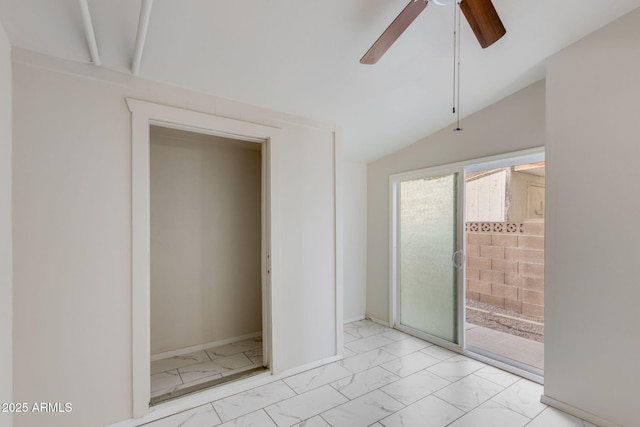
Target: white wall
355, 240
72, 235
485, 197
206, 281
514, 123
6, 276
519, 196
593, 238
304, 260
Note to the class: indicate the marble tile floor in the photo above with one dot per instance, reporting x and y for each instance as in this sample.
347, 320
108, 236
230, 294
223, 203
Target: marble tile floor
386, 379
177, 373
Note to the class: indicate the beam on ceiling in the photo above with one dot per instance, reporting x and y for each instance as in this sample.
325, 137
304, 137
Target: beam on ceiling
143, 25
89, 33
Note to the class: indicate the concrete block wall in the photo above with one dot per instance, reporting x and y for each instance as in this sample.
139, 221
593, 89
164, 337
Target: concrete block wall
505, 265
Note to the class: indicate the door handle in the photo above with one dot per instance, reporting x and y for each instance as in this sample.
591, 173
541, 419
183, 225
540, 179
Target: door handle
457, 258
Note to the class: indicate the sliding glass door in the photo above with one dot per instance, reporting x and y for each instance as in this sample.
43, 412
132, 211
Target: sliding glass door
426, 244
478, 223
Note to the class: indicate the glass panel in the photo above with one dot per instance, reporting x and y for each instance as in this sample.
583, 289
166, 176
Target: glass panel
427, 241
505, 264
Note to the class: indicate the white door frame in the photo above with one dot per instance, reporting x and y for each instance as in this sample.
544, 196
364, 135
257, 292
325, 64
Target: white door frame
145, 114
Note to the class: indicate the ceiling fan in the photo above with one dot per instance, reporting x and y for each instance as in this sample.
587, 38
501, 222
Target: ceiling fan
480, 14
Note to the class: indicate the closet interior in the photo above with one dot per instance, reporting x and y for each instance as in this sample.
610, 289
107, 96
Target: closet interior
207, 274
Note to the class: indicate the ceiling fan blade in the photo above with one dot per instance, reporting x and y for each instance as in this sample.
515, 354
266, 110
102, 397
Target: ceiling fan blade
393, 31
484, 21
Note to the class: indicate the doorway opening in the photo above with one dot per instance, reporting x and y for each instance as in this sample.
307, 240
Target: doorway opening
504, 263
148, 117
206, 239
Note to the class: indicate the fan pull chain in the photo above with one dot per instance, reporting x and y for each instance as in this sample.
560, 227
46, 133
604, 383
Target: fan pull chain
455, 16
457, 57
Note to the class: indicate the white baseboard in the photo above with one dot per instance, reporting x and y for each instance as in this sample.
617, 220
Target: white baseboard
187, 350
354, 319
594, 419
379, 322
307, 367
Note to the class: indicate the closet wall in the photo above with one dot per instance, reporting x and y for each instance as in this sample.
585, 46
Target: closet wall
72, 235
205, 239
6, 274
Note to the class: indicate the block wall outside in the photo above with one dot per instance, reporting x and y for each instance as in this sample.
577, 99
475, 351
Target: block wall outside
505, 265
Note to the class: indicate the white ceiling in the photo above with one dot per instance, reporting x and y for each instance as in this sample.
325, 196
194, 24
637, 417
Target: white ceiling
301, 56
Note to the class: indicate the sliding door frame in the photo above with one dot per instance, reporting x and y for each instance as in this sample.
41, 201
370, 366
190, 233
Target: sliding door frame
462, 167
394, 269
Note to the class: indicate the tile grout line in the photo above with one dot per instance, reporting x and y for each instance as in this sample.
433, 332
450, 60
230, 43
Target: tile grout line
269, 415
215, 411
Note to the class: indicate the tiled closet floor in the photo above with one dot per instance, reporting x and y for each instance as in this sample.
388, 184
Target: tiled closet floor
179, 372
386, 378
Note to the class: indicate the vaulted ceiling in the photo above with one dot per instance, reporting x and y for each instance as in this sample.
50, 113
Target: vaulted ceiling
301, 56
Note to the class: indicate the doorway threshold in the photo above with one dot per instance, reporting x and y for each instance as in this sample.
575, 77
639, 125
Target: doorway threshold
511, 347
498, 361
206, 385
